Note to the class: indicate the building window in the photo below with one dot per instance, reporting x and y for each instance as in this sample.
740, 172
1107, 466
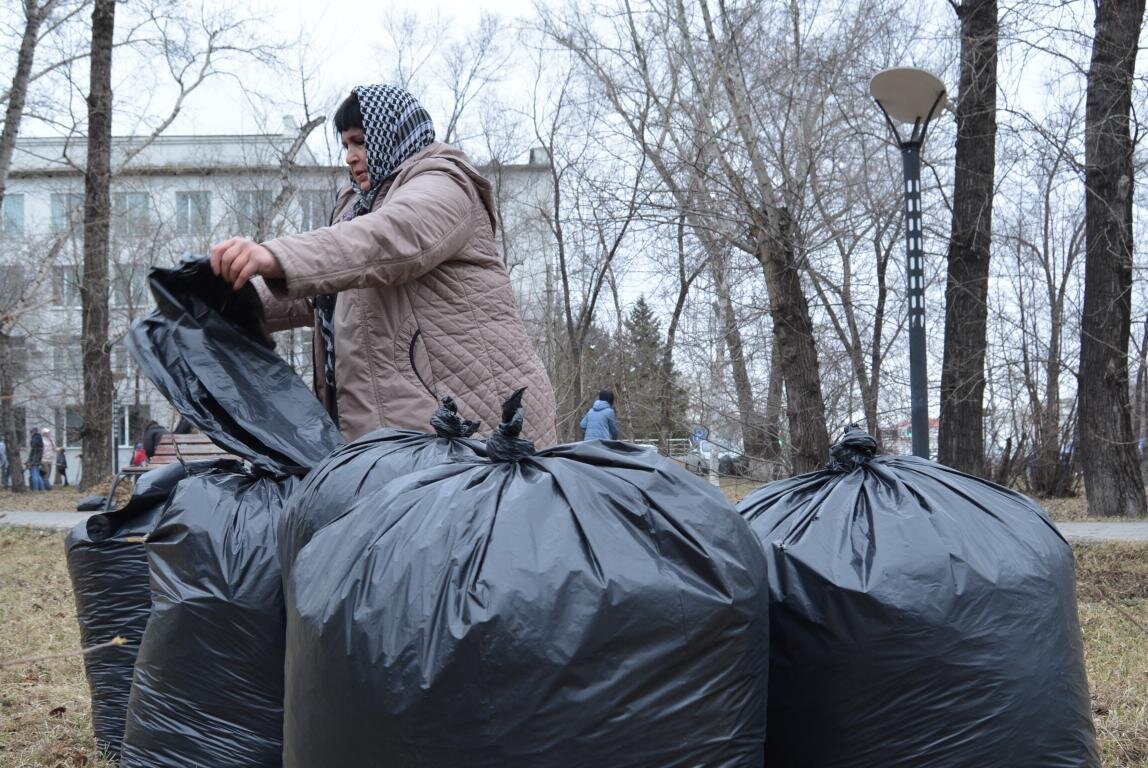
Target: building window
11, 285
67, 368
129, 285
12, 215
67, 211
66, 280
192, 213
316, 205
253, 212
73, 424
131, 212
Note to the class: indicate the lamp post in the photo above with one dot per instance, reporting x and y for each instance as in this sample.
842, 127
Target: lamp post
912, 96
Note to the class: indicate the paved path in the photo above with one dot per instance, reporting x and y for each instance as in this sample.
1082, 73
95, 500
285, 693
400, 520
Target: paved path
1104, 531
62, 520
1115, 531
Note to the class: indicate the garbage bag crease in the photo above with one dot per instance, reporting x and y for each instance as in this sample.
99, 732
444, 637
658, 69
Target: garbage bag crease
588, 605
357, 469
918, 616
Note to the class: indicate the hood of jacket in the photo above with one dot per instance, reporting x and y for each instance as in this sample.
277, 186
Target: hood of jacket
601, 405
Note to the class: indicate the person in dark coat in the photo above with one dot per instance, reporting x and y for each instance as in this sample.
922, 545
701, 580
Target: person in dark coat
151, 435
600, 423
35, 459
61, 467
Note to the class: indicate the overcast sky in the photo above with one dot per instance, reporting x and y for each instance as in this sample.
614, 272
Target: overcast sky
342, 40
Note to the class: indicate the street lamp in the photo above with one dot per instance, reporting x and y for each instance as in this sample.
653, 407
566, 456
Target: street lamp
912, 96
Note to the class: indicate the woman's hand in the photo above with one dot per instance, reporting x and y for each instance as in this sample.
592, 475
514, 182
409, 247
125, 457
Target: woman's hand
239, 259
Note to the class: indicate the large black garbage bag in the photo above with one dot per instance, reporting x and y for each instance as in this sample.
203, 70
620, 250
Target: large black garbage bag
589, 605
208, 681
919, 617
108, 569
206, 353
208, 686
366, 465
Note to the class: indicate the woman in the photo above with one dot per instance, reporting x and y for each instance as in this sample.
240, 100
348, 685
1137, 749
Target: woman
408, 292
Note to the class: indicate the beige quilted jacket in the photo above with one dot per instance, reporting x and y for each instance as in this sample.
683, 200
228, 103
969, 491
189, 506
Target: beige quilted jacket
425, 307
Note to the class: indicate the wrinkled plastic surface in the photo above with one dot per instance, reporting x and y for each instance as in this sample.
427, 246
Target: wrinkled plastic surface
357, 469
918, 617
589, 605
208, 682
108, 568
208, 685
204, 348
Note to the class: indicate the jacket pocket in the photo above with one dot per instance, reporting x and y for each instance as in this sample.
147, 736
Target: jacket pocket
420, 361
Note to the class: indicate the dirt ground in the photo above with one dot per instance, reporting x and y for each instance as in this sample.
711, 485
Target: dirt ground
45, 714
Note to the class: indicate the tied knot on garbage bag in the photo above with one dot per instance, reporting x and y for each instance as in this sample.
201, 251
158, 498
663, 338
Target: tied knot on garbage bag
855, 449
505, 445
447, 422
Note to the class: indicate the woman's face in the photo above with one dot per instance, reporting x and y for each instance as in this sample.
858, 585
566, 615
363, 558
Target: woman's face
355, 145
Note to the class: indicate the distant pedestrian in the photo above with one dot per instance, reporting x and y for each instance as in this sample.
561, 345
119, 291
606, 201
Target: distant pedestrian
600, 423
49, 458
35, 459
61, 467
5, 470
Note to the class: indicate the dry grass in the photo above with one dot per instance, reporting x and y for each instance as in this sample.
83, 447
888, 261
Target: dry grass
44, 706
1112, 589
45, 712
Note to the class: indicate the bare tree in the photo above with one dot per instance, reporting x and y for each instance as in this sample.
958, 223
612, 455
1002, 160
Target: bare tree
1108, 451
961, 435
95, 436
35, 14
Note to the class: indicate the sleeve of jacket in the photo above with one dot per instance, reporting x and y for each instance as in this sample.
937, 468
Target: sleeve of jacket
585, 421
426, 221
612, 420
283, 314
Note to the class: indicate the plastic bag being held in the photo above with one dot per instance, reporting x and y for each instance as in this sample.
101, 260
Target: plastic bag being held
918, 617
588, 605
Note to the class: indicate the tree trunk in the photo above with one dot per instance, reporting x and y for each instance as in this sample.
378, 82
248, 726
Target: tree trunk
96, 433
1108, 448
13, 440
751, 422
793, 328
960, 440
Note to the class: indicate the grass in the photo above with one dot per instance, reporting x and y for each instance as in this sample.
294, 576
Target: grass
45, 714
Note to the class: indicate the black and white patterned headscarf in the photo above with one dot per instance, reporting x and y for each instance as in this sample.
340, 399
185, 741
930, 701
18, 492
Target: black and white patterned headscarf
395, 126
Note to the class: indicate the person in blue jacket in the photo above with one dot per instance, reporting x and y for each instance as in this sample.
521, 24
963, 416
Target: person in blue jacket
600, 423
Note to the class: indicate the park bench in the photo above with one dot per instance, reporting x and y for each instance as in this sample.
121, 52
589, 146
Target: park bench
170, 449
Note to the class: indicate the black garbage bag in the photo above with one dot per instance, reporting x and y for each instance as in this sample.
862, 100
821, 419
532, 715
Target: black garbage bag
366, 465
918, 617
107, 564
208, 683
206, 353
589, 605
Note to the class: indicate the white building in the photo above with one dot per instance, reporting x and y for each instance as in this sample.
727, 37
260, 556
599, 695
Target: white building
175, 196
